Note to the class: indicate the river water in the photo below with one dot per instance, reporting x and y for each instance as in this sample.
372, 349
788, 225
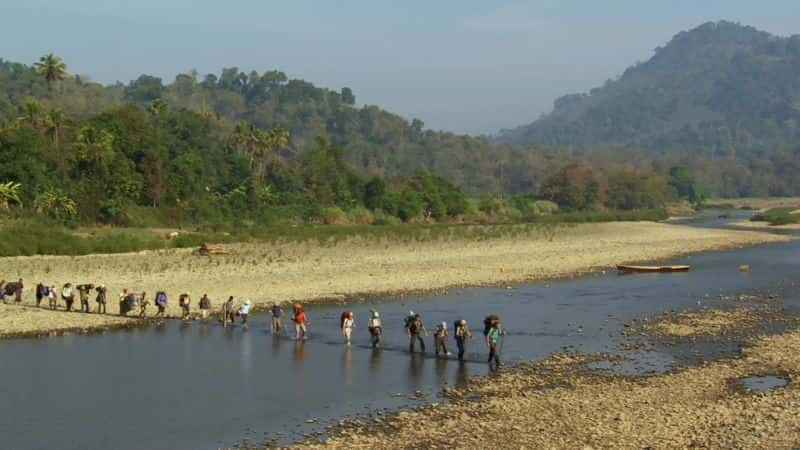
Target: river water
200, 386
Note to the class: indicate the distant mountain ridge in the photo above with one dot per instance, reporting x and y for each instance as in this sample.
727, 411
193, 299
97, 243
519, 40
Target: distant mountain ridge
721, 89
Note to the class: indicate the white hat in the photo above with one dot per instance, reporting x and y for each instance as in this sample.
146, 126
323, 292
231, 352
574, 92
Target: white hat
444, 325
375, 314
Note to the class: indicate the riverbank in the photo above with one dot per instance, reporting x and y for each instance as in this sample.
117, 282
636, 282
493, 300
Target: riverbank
336, 270
560, 403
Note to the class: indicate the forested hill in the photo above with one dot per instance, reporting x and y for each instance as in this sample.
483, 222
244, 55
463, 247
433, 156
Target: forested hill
376, 142
721, 89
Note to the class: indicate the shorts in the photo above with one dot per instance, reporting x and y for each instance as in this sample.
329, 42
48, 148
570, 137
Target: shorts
298, 327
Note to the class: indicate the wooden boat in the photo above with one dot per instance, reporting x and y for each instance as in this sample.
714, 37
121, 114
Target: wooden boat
651, 269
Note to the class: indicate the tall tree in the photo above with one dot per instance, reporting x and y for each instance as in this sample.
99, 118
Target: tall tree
52, 68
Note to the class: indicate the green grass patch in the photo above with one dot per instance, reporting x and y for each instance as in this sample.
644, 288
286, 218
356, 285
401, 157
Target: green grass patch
777, 216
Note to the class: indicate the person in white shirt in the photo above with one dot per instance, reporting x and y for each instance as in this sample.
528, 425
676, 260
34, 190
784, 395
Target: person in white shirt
347, 327
244, 310
375, 328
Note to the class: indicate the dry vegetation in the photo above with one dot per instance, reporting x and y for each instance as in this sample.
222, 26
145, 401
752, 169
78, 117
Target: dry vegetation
558, 404
308, 270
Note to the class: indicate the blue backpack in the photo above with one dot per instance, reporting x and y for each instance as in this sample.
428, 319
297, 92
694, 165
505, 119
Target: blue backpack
161, 299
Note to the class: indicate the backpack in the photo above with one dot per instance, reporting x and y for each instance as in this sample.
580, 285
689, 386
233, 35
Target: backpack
45, 291
488, 322
408, 321
11, 288
161, 298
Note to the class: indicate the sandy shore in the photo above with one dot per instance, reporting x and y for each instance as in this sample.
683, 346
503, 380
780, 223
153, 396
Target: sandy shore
558, 404
305, 271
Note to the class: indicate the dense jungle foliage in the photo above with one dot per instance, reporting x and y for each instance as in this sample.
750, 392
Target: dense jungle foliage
723, 99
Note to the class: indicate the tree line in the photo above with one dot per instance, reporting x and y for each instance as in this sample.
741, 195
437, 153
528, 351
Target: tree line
264, 148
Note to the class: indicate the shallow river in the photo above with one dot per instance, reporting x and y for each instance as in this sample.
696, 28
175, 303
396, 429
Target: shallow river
199, 386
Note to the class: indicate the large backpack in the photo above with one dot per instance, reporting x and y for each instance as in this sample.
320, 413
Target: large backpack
45, 291
11, 288
161, 298
488, 322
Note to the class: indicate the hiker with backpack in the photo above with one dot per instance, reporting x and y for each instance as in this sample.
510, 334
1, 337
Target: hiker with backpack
161, 303
52, 297
184, 301
83, 294
347, 324
228, 311
205, 306
415, 330
375, 328
276, 312
300, 320
493, 332
40, 294
440, 339
68, 296
15, 289
462, 333
101, 298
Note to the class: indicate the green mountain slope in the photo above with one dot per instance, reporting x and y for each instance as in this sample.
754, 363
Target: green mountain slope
721, 89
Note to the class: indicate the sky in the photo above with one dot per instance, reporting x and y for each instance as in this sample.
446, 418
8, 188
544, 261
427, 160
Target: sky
467, 66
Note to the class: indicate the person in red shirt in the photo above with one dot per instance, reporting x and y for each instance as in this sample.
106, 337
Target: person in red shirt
300, 321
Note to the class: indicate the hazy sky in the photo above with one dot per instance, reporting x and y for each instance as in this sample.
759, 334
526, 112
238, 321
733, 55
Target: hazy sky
465, 65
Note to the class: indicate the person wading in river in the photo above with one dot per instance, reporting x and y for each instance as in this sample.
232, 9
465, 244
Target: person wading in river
276, 312
415, 331
101, 298
462, 333
205, 306
184, 300
347, 326
300, 320
493, 336
228, 311
244, 311
375, 328
440, 339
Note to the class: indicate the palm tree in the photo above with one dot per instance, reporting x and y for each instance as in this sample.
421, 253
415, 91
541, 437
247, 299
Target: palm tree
52, 68
56, 204
280, 138
32, 114
55, 122
9, 193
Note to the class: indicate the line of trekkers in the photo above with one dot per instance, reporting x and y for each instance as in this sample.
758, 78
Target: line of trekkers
137, 301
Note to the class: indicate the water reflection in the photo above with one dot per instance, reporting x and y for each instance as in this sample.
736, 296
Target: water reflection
299, 353
441, 370
462, 374
375, 363
415, 363
276, 346
347, 366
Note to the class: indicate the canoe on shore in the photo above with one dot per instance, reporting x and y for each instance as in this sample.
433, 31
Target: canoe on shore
648, 269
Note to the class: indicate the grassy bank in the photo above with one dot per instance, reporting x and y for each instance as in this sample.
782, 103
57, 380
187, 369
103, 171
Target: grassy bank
29, 237
778, 216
